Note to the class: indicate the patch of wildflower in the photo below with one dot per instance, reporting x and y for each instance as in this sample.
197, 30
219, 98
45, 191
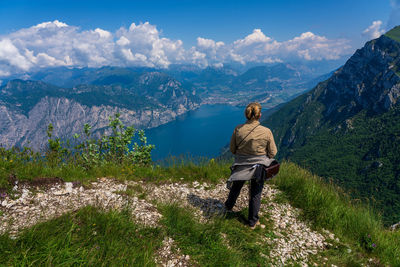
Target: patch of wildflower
368, 243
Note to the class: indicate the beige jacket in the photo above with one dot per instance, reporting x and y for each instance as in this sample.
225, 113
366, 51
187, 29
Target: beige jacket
259, 142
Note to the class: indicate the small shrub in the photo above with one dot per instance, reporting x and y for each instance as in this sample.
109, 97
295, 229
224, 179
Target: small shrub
91, 152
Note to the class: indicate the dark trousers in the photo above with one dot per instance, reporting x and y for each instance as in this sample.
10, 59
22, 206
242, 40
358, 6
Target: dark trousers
255, 198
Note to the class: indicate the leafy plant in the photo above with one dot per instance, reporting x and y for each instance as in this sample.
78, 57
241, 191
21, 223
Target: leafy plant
56, 152
116, 145
89, 152
141, 154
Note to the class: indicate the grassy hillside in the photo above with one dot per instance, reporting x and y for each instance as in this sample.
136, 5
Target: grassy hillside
93, 236
366, 159
394, 33
97, 237
361, 154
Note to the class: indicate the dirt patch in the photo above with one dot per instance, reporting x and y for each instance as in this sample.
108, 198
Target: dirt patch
40, 182
3, 193
12, 180
43, 182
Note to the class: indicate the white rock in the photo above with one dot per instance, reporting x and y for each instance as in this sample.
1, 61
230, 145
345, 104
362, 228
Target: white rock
60, 193
68, 187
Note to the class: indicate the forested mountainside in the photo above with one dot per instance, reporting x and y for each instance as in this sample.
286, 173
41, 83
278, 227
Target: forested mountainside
27, 107
348, 127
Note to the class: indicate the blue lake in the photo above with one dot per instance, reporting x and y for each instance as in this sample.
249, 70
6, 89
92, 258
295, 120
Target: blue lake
199, 133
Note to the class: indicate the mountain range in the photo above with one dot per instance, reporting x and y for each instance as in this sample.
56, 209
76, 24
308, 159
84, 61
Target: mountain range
268, 84
348, 127
145, 97
27, 107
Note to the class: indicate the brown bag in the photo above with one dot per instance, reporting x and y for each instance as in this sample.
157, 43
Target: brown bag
272, 170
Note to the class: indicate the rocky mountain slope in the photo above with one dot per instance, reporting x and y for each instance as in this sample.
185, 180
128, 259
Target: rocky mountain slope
27, 107
348, 127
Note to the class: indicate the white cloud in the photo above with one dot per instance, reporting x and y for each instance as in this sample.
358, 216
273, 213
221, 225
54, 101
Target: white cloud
207, 52
11, 55
308, 46
4, 73
55, 43
123, 41
375, 30
142, 44
256, 37
48, 24
394, 18
58, 44
103, 33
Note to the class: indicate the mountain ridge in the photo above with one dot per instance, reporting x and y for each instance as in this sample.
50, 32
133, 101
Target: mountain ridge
27, 107
346, 127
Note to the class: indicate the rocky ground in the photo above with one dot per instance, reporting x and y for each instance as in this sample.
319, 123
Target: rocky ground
291, 239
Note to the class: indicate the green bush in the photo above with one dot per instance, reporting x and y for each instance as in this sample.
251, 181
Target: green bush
81, 159
89, 152
114, 147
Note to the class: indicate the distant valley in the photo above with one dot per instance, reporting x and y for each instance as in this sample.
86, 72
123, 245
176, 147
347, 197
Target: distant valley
268, 84
146, 98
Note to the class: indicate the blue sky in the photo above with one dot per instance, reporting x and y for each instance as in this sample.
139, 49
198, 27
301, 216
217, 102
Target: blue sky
96, 33
219, 20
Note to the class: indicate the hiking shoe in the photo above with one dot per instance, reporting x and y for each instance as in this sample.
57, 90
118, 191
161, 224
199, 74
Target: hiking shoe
257, 224
226, 211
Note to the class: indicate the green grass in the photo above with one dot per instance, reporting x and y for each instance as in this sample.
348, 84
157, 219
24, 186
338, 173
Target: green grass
207, 171
134, 190
394, 33
91, 237
211, 171
218, 242
327, 206
88, 237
